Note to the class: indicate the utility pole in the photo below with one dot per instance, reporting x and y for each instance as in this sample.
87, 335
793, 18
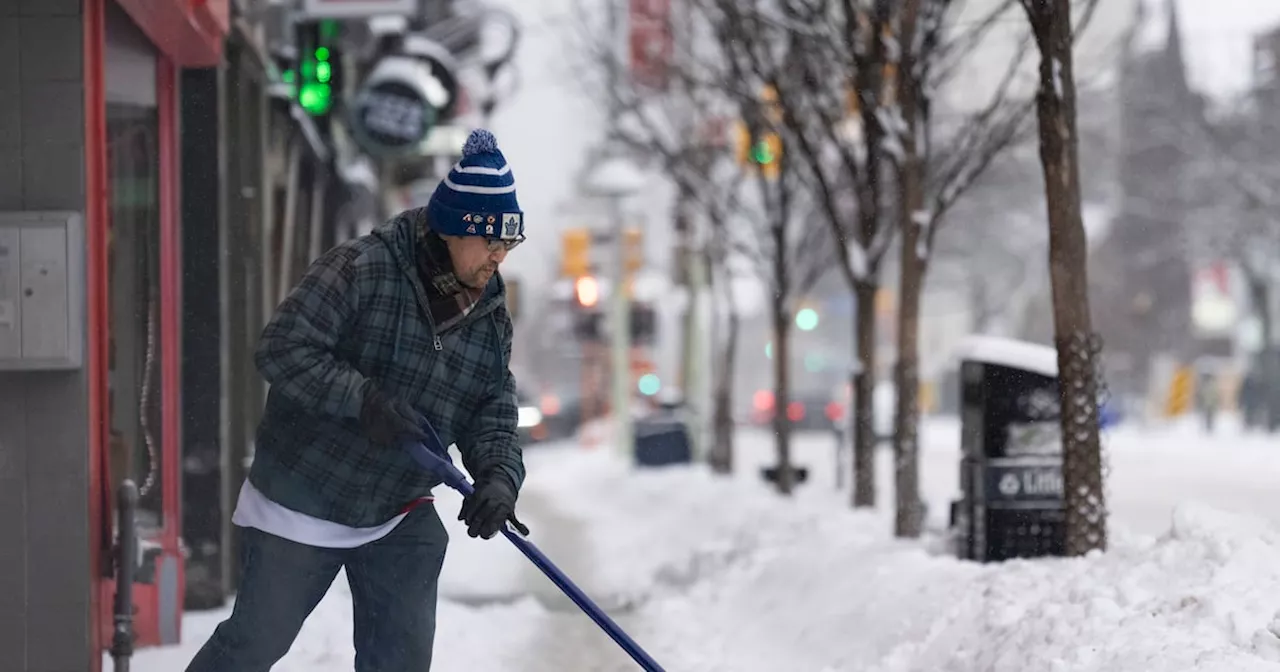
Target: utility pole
620, 332
615, 182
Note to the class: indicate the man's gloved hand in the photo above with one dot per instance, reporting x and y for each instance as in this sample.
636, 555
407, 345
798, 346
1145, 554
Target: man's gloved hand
389, 421
487, 509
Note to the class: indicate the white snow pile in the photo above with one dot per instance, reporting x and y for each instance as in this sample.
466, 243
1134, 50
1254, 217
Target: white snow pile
727, 576
714, 574
1203, 597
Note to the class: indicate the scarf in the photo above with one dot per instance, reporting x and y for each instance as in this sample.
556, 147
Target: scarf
448, 299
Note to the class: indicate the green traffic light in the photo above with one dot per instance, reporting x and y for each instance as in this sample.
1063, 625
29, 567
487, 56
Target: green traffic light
324, 72
807, 319
649, 385
761, 153
322, 54
315, 98
768, 350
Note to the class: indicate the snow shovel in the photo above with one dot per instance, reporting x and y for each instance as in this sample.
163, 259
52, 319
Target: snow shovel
435, 458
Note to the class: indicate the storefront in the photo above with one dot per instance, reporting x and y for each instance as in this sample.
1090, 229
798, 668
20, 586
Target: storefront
133, 53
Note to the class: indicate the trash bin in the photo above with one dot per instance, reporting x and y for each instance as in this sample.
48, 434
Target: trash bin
1011, 454
662, 440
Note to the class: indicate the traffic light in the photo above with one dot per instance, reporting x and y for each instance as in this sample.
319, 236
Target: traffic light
319, 67
807, 319
575, 253
587, 291
633, 242
765, 152
649, 384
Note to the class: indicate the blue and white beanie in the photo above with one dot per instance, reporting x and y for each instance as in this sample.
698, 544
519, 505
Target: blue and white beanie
478, 196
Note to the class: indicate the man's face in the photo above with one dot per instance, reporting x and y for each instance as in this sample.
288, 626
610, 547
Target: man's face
476, 258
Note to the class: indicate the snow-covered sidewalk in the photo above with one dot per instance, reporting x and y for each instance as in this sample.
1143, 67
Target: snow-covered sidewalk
721, 574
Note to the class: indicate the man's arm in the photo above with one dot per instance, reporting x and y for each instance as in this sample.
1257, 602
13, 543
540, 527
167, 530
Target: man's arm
492, 443
296, 354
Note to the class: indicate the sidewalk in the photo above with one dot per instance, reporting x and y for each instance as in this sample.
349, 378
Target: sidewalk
716, 574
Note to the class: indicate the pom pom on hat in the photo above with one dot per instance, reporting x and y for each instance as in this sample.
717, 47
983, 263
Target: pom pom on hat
478, 196
479, 142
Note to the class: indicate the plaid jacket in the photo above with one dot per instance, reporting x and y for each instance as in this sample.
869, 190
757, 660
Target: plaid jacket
360, 311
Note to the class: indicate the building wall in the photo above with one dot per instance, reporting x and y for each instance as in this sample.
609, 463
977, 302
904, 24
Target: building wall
44, 466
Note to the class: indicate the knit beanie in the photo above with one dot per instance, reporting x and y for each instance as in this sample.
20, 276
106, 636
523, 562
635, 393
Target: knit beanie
478, 196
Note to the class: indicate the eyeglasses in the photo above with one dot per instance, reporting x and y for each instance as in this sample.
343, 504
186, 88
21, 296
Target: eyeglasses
500, 244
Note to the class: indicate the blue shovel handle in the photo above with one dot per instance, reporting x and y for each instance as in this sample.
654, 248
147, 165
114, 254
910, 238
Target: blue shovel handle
436, 460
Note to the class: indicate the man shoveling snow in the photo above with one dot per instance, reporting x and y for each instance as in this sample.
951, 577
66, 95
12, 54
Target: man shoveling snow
383, 333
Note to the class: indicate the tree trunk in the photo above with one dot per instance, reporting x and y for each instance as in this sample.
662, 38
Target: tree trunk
869, 84
1086, 525
909, 516
980, 307
782, 395
722, 427
864, 385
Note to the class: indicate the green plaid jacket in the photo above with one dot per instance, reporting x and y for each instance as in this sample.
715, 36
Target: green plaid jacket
360, 312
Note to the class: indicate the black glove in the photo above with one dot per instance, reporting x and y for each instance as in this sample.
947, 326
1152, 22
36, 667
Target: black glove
388, 420
486, 510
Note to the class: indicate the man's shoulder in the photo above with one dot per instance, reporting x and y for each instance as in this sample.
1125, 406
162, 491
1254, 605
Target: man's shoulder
359, 254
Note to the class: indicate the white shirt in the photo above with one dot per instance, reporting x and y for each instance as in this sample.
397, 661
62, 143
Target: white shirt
253, 509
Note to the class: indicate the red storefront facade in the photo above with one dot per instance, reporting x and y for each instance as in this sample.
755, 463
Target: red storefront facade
132, 212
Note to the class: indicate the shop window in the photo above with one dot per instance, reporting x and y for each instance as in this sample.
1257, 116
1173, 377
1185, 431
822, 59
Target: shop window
133, 268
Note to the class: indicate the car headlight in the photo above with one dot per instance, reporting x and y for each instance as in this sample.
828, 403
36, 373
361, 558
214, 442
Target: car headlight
529, 416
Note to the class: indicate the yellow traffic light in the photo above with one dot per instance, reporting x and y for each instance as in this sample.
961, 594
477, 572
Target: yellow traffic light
587, 290
633, 244
575, 253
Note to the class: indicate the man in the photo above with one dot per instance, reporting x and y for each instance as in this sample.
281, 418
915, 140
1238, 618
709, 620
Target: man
384, 333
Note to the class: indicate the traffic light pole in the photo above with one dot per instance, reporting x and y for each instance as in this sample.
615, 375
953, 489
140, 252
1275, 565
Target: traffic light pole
620, 336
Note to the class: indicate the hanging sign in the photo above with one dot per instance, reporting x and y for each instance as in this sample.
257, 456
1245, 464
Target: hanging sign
401, 101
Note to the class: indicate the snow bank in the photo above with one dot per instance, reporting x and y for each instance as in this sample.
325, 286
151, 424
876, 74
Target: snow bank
1203, 597
725, 576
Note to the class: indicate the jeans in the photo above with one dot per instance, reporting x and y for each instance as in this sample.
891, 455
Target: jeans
393, 593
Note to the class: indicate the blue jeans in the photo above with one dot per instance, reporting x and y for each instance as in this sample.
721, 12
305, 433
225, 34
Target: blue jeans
393, 593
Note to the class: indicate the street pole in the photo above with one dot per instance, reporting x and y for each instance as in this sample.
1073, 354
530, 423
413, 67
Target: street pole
695, 394
620, 336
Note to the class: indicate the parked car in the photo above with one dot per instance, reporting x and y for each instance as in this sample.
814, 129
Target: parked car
530, 423
807, 410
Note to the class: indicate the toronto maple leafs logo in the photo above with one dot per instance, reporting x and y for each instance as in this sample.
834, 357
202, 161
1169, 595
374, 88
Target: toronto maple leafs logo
511, 225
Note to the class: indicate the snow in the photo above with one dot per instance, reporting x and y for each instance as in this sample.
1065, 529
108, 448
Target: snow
1007, 352
616, 177
719, 574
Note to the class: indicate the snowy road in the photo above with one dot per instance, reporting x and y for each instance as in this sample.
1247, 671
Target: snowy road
717, 574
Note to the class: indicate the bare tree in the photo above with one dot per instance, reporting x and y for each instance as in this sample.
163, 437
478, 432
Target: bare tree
1086, 525
682, 129
931, 180
758, 55
831, 92
855, 106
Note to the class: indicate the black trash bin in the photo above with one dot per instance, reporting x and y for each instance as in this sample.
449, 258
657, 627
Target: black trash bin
1011, 454
662, 440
